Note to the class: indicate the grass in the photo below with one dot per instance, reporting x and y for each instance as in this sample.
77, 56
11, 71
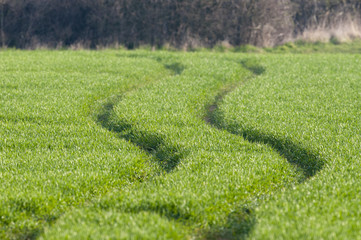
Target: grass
54, 156
171, 145
333, 46
311, 100
304, 47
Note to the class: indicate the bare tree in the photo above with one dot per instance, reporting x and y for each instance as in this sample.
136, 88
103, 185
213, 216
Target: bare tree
2, 17
158, 22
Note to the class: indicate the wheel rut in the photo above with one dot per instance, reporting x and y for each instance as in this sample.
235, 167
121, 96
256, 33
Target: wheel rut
164, 154
307, 163
168, 156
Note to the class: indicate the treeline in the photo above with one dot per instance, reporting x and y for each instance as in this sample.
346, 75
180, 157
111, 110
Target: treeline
179, 23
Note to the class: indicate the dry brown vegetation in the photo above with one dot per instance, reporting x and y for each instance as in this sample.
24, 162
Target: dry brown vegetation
180, 23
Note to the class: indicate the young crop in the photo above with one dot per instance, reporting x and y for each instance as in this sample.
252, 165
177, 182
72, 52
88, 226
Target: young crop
210, 178
170, 145
312, 101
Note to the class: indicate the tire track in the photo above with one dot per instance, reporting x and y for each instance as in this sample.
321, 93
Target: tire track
307, 163
168, 156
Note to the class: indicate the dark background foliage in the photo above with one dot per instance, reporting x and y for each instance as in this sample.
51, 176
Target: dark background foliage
178, 23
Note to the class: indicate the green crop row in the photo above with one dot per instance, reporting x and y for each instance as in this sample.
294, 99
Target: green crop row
170, 145
211, 178
53, 155
313, 101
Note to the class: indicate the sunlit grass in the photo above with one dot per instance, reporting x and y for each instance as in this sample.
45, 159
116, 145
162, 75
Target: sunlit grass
53, 154
313, 101
171, 145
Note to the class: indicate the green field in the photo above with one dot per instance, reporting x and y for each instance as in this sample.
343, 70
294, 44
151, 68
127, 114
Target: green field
119, 144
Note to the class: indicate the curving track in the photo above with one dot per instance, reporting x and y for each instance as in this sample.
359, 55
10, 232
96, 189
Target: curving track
160, 137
